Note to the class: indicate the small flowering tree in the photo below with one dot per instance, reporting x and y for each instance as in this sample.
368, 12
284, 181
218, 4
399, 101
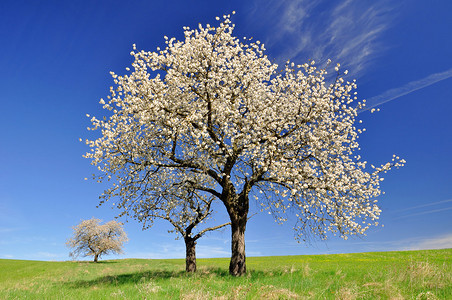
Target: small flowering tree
184, 207
92, 239
214, 112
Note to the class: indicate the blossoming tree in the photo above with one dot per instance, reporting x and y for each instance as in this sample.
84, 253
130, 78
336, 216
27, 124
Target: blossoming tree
181, 205
212, 110
92, 239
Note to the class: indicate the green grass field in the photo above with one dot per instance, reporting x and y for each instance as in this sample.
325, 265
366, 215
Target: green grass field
377, 275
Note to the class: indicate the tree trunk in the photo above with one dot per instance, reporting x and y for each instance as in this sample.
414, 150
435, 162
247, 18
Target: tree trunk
237, 207
237, 266
96, 257
190, 255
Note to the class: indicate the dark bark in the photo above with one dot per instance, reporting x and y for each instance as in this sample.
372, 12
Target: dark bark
190, 254
96, 256
237, 207
237, 266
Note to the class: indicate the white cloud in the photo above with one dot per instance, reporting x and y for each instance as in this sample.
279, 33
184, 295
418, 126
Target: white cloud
442, 241
438, 242
346, 32
425, 212
162, 251
408, 88
6, 229
212, 251
168, 251
425, 205
40, 255
421, 209
48, 255
155, 255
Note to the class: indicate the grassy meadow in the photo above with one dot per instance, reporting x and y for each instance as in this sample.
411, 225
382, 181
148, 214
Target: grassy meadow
377, 275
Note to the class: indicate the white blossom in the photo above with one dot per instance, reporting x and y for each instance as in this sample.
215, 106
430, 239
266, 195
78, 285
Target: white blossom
214, 113
92, 239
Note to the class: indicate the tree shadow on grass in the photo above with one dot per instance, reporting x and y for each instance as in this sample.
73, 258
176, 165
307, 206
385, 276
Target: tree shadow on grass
99, 262
143, 276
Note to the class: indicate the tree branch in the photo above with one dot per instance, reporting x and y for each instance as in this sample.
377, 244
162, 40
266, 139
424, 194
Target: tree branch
201, 233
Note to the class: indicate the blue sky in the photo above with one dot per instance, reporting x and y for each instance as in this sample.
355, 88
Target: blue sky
56, 56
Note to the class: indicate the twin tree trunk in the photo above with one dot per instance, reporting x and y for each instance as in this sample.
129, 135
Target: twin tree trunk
190, 254
96, 256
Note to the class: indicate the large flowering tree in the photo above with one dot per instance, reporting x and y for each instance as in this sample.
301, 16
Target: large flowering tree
214, 112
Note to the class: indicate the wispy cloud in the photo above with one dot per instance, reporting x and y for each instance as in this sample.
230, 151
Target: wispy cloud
7, 230
426, 205
407, 89
441, 241
422, 209
347, 31
212, 251
438, 242
154, 255
168, 251
40, 255
49, 255
426, 212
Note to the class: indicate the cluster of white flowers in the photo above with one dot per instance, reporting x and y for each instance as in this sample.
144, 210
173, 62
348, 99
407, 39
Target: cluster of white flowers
214, 112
